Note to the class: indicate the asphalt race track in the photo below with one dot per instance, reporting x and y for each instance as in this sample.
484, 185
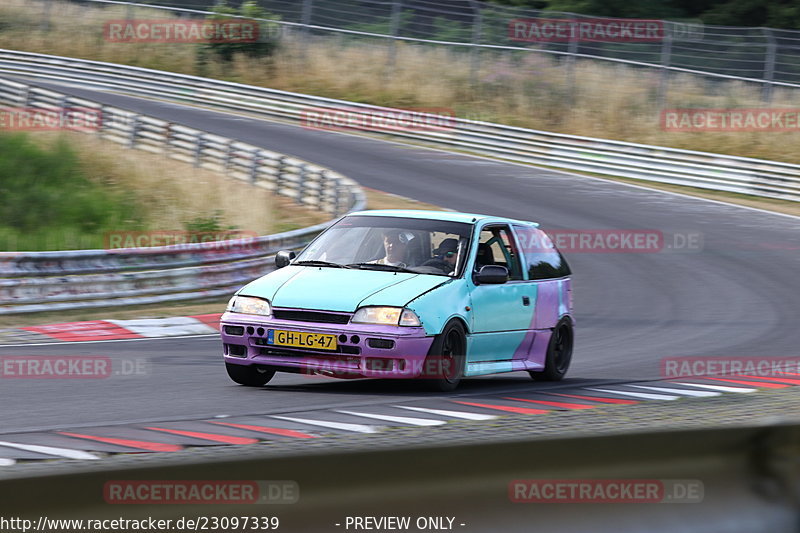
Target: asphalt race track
734, 296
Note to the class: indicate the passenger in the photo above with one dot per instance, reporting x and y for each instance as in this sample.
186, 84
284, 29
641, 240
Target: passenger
395, 245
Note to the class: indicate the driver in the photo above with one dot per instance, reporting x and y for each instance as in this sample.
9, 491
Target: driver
445, 256
395, 245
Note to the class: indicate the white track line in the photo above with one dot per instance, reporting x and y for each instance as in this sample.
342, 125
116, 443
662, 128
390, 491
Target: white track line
697, 393
398, 419
6, 462
57, 343
642, 395
453, 414
358, 428
49, 450
722, 388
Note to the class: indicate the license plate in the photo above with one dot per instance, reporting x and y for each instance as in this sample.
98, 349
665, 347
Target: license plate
299, 339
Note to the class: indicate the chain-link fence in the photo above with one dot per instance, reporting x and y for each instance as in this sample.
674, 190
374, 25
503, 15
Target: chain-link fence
767, 56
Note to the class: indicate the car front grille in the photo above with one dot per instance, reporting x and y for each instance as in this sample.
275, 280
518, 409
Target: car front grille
311, 316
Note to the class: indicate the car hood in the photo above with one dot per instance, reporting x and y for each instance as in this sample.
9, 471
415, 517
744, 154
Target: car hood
339, 289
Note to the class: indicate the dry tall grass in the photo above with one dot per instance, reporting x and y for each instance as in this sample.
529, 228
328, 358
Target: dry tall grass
523, 89
171, 194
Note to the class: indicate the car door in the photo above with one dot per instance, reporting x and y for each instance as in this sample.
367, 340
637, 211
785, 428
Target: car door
501, 313
547, 274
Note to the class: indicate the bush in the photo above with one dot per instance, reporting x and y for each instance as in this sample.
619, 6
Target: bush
266, 44
48, 201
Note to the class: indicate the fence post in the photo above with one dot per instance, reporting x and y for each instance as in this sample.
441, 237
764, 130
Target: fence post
305, 19
477, 30
394, 30
571, 59
45, 22
769, 66
666, 54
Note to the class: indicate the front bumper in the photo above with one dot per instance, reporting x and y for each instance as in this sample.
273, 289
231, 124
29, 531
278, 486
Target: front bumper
364, 350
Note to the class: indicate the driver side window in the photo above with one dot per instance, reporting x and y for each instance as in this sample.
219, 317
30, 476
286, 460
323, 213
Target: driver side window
496, 246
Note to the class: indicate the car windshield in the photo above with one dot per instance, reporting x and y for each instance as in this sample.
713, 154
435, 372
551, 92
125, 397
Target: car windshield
393, 244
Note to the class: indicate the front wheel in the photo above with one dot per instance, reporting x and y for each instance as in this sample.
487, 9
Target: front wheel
250, 376
444, 365
559, 353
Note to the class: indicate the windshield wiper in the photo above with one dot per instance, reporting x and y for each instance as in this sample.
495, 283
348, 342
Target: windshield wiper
378, 266
319, 264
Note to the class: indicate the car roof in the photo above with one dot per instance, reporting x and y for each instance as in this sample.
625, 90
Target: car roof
450, 216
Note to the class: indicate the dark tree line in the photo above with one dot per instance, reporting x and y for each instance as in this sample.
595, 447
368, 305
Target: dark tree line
769, 13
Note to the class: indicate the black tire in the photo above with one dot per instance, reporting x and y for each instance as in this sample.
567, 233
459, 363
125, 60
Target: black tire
559, 353
444, 365
250, 375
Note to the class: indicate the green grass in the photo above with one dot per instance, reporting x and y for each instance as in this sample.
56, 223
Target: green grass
50, 203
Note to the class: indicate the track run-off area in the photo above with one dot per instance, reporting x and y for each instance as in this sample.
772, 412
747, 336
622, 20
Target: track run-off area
731, 293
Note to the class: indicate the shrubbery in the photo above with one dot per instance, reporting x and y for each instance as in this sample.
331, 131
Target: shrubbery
48, 202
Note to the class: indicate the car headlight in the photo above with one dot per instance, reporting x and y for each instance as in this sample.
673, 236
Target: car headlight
387, 316
249, 306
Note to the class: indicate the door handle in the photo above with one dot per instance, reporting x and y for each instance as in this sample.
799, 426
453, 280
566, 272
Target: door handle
526, 300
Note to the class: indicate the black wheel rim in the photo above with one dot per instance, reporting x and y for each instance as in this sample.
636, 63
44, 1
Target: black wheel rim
562, 348
452, 351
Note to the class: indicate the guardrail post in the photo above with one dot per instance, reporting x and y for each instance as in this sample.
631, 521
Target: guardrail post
168, 139
666, 54
279, 172
226, 159
324, 180
62, 106
135, 124
769, 66
255, 163
198, 149
25, 96
102, 125
337, 190
301, 183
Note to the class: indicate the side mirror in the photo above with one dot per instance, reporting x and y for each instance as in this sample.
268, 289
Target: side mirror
491, 274
283, 258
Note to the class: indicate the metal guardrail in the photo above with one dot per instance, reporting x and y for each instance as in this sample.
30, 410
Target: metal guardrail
65, 280
757, 177
749, 480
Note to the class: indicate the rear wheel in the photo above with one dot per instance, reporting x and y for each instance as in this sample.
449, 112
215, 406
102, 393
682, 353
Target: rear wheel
559, 353
250, 375
444, 365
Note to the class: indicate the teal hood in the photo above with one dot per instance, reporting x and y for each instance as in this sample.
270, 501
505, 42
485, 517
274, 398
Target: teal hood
339, 289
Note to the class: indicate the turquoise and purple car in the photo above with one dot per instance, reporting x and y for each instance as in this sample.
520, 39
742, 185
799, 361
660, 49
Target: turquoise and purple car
431, 295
